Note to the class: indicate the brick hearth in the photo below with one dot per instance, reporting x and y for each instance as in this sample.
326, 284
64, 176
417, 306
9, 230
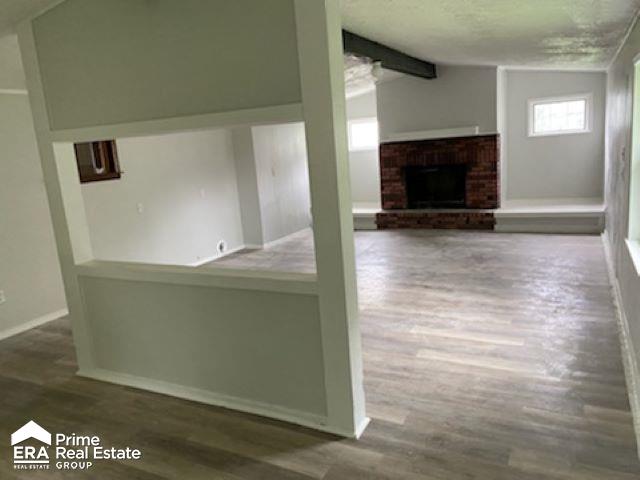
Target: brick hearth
418, 219
481, 156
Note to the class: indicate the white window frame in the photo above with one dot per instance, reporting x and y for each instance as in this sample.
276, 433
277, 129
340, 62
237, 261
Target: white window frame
357, 121
587, 97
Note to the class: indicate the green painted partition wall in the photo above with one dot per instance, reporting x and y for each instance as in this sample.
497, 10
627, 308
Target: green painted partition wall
121, 61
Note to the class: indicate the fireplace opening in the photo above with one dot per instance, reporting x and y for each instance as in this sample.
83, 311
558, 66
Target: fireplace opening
438, 186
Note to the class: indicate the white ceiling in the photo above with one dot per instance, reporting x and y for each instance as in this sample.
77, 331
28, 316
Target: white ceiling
533, 33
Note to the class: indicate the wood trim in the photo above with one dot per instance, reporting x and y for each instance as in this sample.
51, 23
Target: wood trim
104, 150
389, 57
99, 178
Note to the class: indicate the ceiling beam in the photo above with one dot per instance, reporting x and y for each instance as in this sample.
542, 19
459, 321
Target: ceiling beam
388, 57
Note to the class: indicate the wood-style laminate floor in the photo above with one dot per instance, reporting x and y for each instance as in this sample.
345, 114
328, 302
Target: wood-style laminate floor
487, 356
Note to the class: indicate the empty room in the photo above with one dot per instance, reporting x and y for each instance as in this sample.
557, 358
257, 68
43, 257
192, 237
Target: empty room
320, 239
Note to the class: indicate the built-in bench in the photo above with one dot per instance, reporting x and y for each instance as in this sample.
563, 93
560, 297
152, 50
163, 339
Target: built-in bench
579, 215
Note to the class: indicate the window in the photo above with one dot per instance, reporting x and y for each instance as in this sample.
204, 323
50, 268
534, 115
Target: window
632, 111
97, 161
363, 134
560, 116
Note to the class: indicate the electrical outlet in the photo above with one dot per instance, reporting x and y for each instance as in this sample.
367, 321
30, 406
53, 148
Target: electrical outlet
2, 297
140, 208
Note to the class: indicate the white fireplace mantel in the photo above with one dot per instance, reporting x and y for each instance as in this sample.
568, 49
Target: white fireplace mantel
432, 134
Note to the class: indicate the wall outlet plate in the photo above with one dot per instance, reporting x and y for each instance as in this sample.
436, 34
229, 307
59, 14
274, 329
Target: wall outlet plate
2, 297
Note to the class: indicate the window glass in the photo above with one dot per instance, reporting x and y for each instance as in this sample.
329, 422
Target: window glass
559, 116
363, 134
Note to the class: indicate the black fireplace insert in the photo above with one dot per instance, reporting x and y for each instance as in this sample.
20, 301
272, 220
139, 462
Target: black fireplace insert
438, 186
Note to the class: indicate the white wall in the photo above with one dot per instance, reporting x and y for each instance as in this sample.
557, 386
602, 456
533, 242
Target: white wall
459, 97
618, 148
248, 193
561, 166
29, 270
11, 73
364, 165
186, 185
282, 178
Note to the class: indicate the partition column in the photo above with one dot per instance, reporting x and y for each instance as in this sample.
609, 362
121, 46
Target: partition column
65, 199
322, 79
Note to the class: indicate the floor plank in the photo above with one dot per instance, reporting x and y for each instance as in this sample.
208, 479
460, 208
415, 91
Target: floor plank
486, 356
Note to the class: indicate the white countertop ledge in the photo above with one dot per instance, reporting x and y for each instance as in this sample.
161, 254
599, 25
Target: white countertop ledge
473, 131
217, 277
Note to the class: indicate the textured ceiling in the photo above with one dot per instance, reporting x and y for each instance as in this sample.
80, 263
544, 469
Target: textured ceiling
534, 33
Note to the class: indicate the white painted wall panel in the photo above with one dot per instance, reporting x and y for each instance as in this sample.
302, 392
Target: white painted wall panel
123, 61
282, 178
11, 73
557, 166
236, 343
29, 269
186, 185
459, 97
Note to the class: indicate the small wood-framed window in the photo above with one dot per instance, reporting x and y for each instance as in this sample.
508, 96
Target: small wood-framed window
97, 161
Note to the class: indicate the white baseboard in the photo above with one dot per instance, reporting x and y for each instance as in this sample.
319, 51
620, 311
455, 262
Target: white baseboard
204, 261
284, 239
628, 351
256, 246
316, 422
361, 427
10, 332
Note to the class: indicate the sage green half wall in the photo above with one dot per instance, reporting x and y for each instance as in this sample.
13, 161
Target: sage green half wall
262, 347
121, 61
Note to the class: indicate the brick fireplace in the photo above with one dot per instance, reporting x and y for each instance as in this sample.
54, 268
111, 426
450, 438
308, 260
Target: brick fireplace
441, 183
